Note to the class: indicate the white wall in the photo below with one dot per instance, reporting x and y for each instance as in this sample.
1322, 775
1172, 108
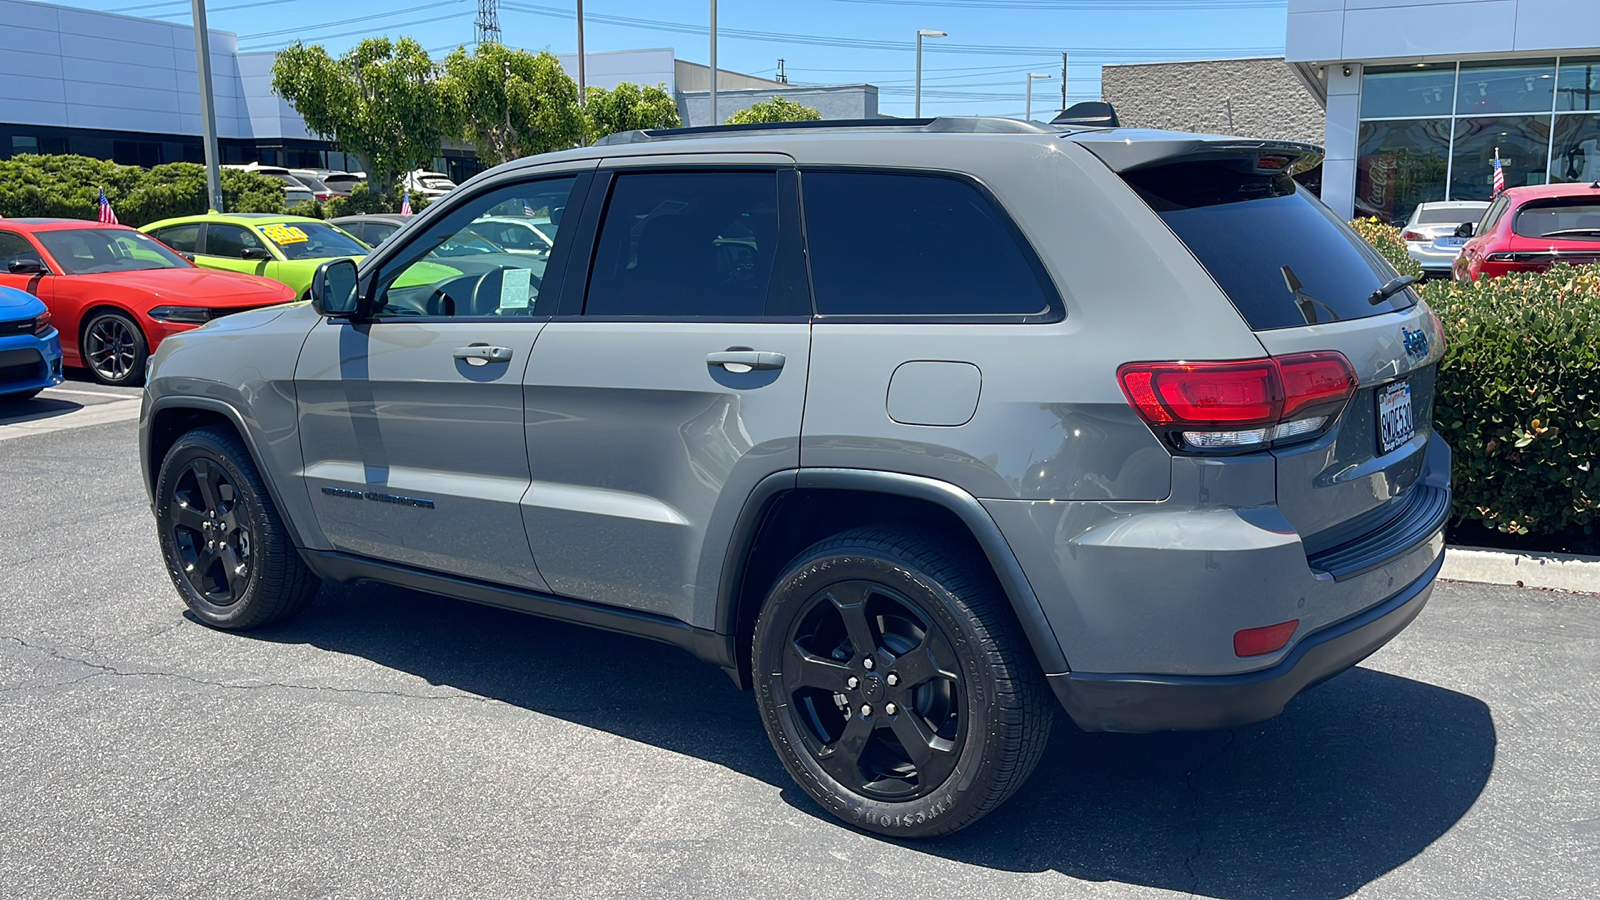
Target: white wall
607, 70
1338, 30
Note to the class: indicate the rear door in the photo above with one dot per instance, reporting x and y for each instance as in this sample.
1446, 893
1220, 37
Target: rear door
1303, 281
672, 384
411, 423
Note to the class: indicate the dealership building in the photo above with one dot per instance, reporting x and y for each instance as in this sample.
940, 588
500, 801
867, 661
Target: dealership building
1421, 96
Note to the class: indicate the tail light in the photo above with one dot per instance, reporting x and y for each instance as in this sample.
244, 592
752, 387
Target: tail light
1413, 236
41, 325
324, 196
1236, 406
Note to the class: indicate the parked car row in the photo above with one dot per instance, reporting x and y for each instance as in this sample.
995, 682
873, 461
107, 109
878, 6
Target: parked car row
305, 185
1523, 229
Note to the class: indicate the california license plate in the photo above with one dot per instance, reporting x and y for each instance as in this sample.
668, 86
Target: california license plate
1395, 424
1450, 243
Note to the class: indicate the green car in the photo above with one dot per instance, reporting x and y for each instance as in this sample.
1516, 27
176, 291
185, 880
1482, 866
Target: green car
283, 248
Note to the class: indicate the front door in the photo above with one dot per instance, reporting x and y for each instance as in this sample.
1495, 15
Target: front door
412, 422
657, 402
223, 247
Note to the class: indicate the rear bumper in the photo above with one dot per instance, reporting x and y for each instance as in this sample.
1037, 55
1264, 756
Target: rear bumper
1143, 703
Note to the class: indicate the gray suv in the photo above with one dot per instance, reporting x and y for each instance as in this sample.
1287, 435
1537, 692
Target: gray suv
907, 425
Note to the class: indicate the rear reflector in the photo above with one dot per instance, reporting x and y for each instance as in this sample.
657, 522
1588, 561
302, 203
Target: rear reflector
1267, 639
1239, 405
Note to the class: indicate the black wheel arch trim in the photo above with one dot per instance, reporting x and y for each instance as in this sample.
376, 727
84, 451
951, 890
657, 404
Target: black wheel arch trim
150, 467
1024, 602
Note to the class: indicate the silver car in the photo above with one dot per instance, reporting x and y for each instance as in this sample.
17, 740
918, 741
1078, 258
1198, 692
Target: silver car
922, 431
1430, 233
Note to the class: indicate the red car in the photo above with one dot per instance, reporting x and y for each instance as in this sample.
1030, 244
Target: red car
115, 293
1529, 229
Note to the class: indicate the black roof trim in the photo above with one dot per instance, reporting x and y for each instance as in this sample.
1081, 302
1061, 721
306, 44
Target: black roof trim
941, 125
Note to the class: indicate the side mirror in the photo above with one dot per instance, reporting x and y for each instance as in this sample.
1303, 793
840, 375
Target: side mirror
25, 266
1465, 229
334, 289
255, 253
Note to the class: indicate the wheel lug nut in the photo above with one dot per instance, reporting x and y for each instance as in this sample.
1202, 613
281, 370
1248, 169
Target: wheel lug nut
889, 709
852, 682
866, 710
893, 679
867, 662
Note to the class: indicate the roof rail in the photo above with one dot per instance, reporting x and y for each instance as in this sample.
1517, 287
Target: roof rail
941, 125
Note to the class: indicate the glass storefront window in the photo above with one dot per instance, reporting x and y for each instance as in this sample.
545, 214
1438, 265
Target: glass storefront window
1525, 87
1578, 85
1575, 153
1400, 164
1522, 142
1425, 90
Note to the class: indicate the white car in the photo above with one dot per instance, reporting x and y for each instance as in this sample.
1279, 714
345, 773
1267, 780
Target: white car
431, 185
1430, 233
518, 234
294, 190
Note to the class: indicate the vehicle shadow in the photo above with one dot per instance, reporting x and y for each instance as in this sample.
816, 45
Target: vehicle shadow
35, 409
1356, 777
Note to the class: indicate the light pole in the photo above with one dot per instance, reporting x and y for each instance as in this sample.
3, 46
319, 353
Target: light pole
582, 101
714, 119
1032, 77
208, 111
920, 36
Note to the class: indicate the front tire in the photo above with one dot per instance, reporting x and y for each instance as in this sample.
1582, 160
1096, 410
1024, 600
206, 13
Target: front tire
895, 684
226, 548
114, 349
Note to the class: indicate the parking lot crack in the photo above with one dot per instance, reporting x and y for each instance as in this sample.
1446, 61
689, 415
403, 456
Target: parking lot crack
1194, 812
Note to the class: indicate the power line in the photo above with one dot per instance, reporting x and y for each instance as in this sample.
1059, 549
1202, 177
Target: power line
368, 31
350, 21
1051, 5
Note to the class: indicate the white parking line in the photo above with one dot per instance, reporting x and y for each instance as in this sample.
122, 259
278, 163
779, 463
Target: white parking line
99, 414
62, 390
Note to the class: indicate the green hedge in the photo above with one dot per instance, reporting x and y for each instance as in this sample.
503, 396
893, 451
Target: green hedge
1386, 240
1518, 395
69, 187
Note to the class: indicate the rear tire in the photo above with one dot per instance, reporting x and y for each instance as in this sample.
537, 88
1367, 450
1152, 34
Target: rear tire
935, 723
226, 548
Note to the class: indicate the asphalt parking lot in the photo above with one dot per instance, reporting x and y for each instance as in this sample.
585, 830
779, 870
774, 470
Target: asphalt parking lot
393, 744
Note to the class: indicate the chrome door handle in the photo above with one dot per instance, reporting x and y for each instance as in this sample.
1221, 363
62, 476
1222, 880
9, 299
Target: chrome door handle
485, 353
744, 356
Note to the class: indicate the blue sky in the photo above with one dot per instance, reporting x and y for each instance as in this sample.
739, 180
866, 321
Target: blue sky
981, 68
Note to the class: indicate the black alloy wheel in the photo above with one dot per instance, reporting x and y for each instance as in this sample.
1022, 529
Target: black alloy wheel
226, 547
114, 349
895, 684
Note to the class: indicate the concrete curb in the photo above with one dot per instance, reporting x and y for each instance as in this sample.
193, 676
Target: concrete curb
1560, 571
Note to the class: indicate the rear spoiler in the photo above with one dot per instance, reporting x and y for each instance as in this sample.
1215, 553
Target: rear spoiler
1128, 149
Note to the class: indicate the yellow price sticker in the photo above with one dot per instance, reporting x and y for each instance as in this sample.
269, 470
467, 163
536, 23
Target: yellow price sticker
284, 234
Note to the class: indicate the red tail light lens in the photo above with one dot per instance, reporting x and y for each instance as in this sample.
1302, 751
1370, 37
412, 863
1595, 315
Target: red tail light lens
1236, 406
1413, 236
41, 324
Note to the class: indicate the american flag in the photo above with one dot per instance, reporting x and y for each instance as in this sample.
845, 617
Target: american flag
107, 217
1499, 176
405, 203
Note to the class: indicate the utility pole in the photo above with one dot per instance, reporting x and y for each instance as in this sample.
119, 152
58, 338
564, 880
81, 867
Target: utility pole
920, 36
582, 100
782, 78
1032, 77
488, 23
208, 109
1063, 81
714, 119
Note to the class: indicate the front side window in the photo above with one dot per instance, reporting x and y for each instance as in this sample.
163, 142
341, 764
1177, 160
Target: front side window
452, 270
13, 247
179, 237
311, 240
87, 251
230, 240
888, 244
686, 244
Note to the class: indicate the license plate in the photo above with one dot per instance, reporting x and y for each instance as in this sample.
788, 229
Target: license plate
1451, 242
1395, 424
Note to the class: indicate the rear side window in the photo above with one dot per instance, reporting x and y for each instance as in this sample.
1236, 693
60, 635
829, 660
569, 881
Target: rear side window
1571, 220
689, 244
179, 237
1282, 257
890, 244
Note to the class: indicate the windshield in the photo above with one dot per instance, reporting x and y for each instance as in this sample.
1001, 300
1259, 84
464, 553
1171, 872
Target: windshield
516, 235
1450, 216
1282, 257
311, 240
436, 182
88, 251
312, 182
467, 242
1570, 220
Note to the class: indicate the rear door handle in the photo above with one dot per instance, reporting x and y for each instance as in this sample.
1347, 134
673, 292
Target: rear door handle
744, 356
483, 353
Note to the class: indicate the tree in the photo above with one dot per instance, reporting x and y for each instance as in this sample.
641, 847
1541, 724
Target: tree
511, 103
775, 110
630, 107
382, 101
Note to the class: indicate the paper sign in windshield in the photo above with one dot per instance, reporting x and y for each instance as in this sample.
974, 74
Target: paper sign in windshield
515, 288
284, 234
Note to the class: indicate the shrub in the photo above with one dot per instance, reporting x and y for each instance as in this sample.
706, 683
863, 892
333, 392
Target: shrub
69, 186
365, 201
1386, 240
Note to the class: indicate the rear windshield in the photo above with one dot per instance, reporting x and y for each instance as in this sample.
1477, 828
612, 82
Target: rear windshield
1567, 220
1450, 216
1282, 257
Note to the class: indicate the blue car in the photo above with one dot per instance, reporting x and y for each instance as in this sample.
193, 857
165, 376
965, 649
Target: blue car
30, 347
